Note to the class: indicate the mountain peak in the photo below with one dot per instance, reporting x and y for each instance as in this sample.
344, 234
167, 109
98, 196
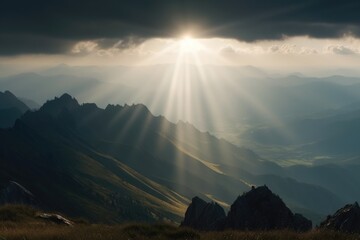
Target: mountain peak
9, 100
56, 106
8, 93
66, 97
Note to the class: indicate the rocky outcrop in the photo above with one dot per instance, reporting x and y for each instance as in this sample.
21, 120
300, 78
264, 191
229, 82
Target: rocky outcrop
204, 216
258, 209
14, 193
346, 219
55, 218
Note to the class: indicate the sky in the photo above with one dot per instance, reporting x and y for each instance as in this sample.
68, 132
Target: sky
299, 36
199, 41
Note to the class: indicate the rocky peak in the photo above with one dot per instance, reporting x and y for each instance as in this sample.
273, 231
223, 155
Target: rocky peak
204, 216
113, 108
346, 219
58, 105
258, 209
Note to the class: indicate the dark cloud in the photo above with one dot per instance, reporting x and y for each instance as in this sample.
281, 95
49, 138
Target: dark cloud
51, 26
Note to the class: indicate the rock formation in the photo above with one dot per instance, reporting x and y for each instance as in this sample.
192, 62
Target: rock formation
204, 216
346, 219
258, 209
55, 218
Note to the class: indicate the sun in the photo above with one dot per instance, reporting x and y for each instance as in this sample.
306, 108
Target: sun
189, 44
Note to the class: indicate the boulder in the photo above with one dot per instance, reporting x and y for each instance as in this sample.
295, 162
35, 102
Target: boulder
204, 216
346, 219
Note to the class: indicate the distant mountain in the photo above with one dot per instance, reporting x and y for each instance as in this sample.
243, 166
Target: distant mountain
11, 108
122, 163
257, 97
334, 134
9, 100
26, 84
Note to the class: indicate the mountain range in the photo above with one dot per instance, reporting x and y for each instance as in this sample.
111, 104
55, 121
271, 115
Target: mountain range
122, 163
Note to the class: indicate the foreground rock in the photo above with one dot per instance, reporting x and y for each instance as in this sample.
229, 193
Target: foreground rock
55, 218
346, 219
258, 209
14, 193
204, 216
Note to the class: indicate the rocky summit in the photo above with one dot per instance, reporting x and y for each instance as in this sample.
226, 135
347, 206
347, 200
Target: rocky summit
346, 219
204, 216
258, 209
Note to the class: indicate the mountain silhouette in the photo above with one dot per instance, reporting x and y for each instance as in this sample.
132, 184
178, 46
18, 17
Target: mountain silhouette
11, 108
261, 209
257, 209
204, 216
9, 100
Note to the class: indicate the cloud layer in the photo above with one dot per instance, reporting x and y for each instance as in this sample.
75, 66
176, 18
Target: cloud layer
43, 26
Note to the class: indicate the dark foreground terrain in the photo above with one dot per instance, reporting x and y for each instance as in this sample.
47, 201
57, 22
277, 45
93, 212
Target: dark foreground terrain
142, 231
23, 223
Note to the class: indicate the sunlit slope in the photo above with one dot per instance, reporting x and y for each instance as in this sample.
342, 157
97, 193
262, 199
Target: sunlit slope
67, 176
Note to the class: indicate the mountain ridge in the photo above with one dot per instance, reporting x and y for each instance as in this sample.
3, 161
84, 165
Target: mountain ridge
107, 154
